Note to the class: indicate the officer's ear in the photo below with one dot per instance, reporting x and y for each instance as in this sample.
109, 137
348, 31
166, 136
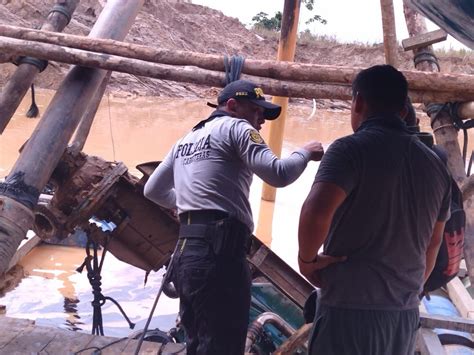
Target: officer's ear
231, 105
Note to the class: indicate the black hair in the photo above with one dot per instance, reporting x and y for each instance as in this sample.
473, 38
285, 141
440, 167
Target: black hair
383, 88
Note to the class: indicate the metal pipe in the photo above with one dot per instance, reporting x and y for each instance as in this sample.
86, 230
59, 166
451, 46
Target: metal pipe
256, 328
286, 52
48, 142
21, 80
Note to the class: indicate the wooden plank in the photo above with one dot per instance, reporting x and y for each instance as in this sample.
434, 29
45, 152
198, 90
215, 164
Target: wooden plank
461, 298
10, 328
70, 340
428, 343
147, 347
22, 336
30, 341
443, 322
424, 39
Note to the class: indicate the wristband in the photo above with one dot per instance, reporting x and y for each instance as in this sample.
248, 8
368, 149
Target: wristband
307, 262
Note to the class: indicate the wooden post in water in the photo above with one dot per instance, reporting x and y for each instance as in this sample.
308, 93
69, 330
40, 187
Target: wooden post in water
286, 52
20, 191
445, 133
21, 80
390, 44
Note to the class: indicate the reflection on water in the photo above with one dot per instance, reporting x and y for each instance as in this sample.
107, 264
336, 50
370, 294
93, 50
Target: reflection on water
135, 131
55, 294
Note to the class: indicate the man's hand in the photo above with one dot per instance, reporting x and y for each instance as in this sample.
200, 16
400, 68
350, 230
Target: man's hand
311, 270
316, 149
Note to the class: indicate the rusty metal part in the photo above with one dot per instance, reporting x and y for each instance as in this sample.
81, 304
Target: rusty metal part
87, 187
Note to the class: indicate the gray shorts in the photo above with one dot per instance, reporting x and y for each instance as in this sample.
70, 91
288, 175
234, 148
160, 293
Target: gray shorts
366, 332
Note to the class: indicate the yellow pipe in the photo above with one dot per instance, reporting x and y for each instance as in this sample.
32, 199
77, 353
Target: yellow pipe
286, 52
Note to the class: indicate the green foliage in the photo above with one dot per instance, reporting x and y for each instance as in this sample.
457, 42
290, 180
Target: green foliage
262, 21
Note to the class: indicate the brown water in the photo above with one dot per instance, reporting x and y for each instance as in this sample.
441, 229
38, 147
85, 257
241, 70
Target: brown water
136, 130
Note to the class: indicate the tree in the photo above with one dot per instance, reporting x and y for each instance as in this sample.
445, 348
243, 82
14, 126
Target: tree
316, 18
261, 20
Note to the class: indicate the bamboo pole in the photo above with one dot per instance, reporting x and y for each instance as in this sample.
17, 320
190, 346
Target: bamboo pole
85, 125
200, 76
389, 33
46, 145
417, 80
21, 80
286, 53
446, 136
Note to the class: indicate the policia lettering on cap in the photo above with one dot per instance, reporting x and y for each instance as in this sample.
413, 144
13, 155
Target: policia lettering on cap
207, 176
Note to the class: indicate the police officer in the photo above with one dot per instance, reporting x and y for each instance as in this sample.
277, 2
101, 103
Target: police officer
207, 176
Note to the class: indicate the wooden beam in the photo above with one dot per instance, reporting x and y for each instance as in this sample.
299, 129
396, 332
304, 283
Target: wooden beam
390, 43
428, 343
424, 39
199, 76
434, 321
461, 298
264, 68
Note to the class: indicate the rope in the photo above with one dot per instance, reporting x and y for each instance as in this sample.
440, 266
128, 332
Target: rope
94, 268
452, 108
62, 10
425, 56
38, 63
233, 67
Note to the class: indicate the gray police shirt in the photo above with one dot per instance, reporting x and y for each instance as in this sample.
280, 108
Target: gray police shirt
213, 165
397, 189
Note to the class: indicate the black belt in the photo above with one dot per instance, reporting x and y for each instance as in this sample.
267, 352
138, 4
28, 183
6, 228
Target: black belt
202, 216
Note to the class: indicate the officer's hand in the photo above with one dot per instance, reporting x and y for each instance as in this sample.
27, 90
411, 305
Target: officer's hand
316, 149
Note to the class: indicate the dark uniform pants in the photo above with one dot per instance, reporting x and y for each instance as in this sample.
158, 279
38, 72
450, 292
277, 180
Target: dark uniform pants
214, 293
339, 331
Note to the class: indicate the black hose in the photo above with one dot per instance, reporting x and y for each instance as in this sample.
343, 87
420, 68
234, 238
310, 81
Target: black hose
33, 111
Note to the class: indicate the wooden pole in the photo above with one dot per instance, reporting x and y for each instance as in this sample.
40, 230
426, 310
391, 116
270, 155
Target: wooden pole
286, 53
85, 125
46, 145
199, 76
390, 43
445, 133
430, 81
21, 80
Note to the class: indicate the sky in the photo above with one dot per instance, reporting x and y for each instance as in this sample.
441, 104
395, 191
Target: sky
347, 20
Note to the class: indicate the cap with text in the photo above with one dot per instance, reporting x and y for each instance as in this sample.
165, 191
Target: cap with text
244, 89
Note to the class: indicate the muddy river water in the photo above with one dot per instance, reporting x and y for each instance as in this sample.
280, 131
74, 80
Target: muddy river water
137, 130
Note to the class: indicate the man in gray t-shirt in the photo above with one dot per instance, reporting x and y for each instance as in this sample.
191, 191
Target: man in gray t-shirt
378, 204
207, 177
